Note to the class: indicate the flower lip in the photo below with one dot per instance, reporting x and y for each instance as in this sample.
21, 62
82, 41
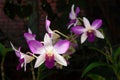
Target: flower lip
49, 62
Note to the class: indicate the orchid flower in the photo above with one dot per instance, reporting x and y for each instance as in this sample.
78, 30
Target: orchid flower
73, 16
90, 31
23, 58
49, 53
50, 32
29, 36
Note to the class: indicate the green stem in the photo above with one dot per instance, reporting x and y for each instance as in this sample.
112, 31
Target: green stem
2, 69
38, 75
33, 73
107, 56
116, 72
80, 19
61, 34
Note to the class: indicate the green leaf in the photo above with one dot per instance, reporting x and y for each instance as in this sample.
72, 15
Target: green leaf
3, 50
117, 52
96, 77
91, 66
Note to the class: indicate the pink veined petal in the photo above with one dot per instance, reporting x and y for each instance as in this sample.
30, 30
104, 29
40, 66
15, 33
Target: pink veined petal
40, 60
99, 34
83, 37
48, 26
47, 42
97, 23
77, 29
62, 46
72, 14
86, 23
77, 10
60, 59
36, 47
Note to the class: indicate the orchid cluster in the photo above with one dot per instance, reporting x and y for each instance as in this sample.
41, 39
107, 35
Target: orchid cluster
52, 51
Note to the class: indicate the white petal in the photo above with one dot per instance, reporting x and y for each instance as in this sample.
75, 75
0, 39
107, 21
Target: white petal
48, 26
29, 31
25, 65
28, 58
86, 23
40, 60
72, 14
48, 42
99, 34
70, 25
60, 59
83, 37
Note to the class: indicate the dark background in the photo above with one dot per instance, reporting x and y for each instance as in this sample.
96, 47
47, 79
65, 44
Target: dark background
14, 22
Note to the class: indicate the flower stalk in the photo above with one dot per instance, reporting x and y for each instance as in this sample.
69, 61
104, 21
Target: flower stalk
2, 68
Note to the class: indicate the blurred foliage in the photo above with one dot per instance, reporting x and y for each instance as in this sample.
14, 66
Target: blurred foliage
4, 50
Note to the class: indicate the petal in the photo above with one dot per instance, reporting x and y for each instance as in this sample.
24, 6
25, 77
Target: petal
29, 36
36, 47
77, 29
40, 60
62, 46
77, 10
86, 23
70, 25
47, 42
48, 26
91, 37
19, 66
28, 58
49, 62
99, 34
17, 52
29, 31
97, 23
72, 14
60, 59
83, 37
25, 64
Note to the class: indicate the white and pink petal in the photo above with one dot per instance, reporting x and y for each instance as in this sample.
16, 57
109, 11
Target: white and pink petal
60, 59
62, 46
36, 47
97, 23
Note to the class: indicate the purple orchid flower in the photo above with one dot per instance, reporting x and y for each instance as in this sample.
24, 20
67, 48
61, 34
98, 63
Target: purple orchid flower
23, 58
73, 16
90, 31
29, 36
49, 53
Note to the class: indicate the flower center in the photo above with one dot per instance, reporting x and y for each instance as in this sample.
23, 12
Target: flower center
91, 35
49, 54
90, 31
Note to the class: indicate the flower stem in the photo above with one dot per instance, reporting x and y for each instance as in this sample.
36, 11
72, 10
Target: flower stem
2, 69
61, 34
80, 19
38, 75
33, 73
